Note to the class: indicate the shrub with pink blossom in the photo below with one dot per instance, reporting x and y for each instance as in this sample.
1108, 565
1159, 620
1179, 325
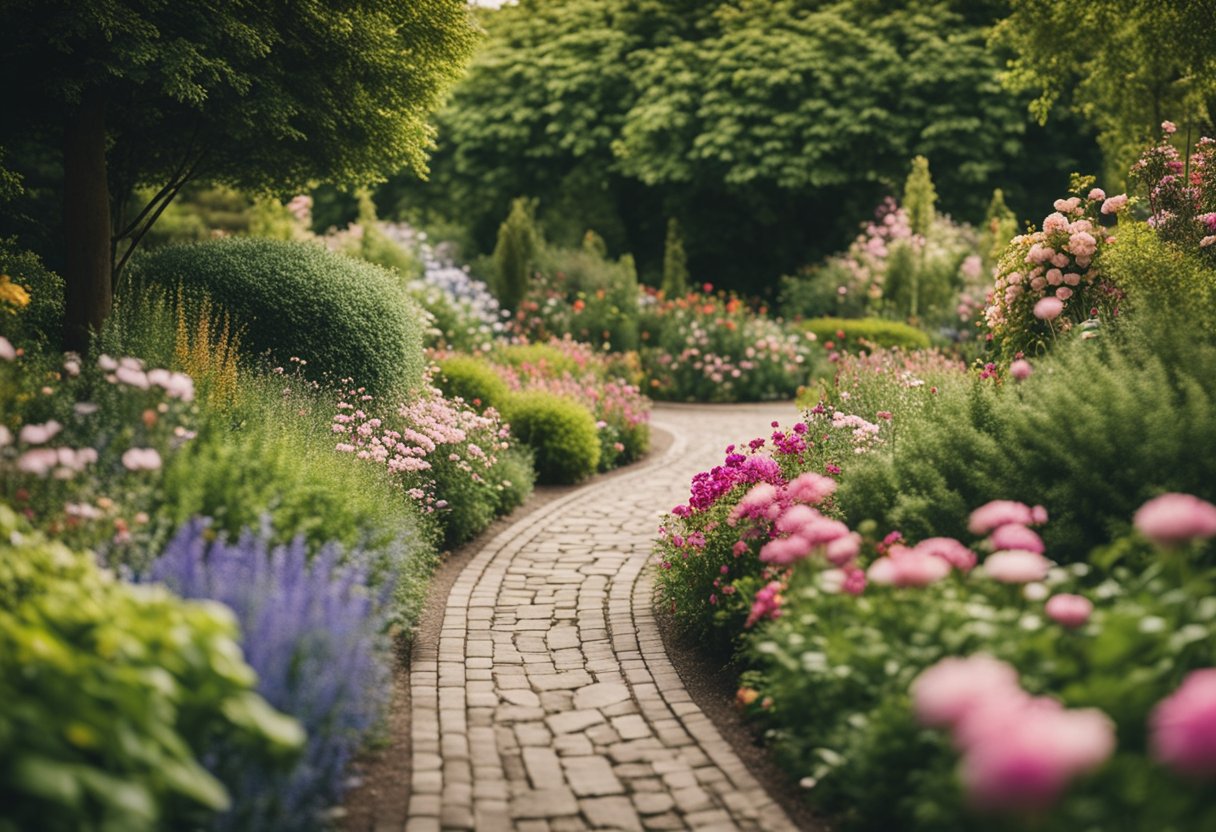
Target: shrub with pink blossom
1181, 193
1051, 281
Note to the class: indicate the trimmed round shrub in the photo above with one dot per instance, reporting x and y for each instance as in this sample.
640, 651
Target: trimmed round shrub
473, 380
861, 333
344, 317
561, 433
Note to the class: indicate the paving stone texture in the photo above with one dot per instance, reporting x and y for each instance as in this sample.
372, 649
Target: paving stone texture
550, 704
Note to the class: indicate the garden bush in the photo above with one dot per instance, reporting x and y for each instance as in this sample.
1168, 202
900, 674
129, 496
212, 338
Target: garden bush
31, 300
560, 432
473, 380
115, 696
345, 318
316, 638
850, 335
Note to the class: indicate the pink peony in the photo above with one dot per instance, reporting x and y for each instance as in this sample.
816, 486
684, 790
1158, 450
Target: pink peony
1016, 566
1003, 512
949, 550
1070, 611
810, 488
1183, 726
945, 693
1020, 369
1048, 309
1055, 222
844, 550
1176, 518
1082, 244
1016, 536
906, 567
1063, 293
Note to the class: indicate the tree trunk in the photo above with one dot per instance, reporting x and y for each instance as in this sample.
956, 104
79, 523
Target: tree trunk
86, 223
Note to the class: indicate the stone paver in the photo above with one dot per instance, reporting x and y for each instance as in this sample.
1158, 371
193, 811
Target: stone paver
549, 702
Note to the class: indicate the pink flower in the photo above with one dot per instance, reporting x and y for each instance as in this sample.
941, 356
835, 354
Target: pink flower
1176, 518
6, 437
1049, 308
767, 604
1055, 222
949, 550
1097, 195
1182, 728
785, 550
38, 461
794, 518
1063, 293
944, 694
132, 376
844, 550
1168, 128
7, 353
1028, 763
1114, 204
1020, 369
810, 488
1002, 512
1070, 611
1016, 566
38, 434
141, 459
1016, 536
905, 567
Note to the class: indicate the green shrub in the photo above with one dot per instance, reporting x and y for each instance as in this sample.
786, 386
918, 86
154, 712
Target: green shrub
112, 696
473, 380
345, 318
515, 254
851, 334
1161, 277
271, 463
548, 359
516, 474
41, 321
1096, 431
561, 433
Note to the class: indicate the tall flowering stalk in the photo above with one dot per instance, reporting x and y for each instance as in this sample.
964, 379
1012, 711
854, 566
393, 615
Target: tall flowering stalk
314, 634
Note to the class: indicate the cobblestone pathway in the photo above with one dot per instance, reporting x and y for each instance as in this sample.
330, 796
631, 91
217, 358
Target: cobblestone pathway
550, 703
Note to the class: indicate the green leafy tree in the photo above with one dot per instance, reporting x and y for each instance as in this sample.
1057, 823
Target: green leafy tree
920, 203
1123, 65
736, 116
515, 254
675, 261
265, 97
1000, 226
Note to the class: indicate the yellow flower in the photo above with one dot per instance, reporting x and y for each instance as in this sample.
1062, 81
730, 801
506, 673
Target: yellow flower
13, 293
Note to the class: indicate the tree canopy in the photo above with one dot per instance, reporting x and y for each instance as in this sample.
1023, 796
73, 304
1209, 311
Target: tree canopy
270, 97
767, 127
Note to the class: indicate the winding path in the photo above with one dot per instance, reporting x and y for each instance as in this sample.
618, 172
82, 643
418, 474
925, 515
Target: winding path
550, 704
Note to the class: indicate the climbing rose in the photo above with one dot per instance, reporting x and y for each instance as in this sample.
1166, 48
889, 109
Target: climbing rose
1183, 726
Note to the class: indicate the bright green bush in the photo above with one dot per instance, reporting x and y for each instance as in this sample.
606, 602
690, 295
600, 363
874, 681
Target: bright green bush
344, 317
473, 380
1160, 276
515, 474
112, 696
547, 359
1096, 431
561, 433
41, 320
852, 334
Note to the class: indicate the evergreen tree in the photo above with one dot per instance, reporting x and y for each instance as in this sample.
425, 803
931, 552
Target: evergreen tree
675, 262
920, 204
515, 254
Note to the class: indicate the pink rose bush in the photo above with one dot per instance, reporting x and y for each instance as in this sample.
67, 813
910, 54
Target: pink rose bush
1050, 281
1181, 193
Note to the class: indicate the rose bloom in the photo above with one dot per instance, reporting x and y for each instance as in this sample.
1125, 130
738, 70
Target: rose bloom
1176, 518
1182, 728
1016, 566
1069, 611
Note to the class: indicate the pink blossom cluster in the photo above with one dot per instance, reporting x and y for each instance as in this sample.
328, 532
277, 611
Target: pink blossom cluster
1181, 192
767, 604
926, 563
422, 431
1019, 752
1174, 519
1017, 555
130, 371
1182, 727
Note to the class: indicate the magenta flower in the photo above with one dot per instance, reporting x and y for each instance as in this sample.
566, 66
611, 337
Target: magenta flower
1174, 518
767, 604
1016, 536
1182, 728
1016, 566
1069, 611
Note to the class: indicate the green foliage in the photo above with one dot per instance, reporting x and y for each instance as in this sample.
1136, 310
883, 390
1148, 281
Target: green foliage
1000, 226
515, 254
560, 432
1163, 278
675, 262
548, 359
853, 334
41, 322
617, 114
472, 379
343, 317
920, 197
516, 476
114, 695
1096, 431
374, 246
1123, 83
201, 212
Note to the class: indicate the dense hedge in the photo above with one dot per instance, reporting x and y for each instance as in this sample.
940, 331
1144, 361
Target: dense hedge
42, 320
561, 433
860, 333
344, 317
473, 380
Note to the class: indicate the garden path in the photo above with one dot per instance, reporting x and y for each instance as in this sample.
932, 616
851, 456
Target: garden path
549, 703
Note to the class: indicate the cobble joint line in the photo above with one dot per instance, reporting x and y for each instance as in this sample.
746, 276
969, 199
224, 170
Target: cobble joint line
550, 704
